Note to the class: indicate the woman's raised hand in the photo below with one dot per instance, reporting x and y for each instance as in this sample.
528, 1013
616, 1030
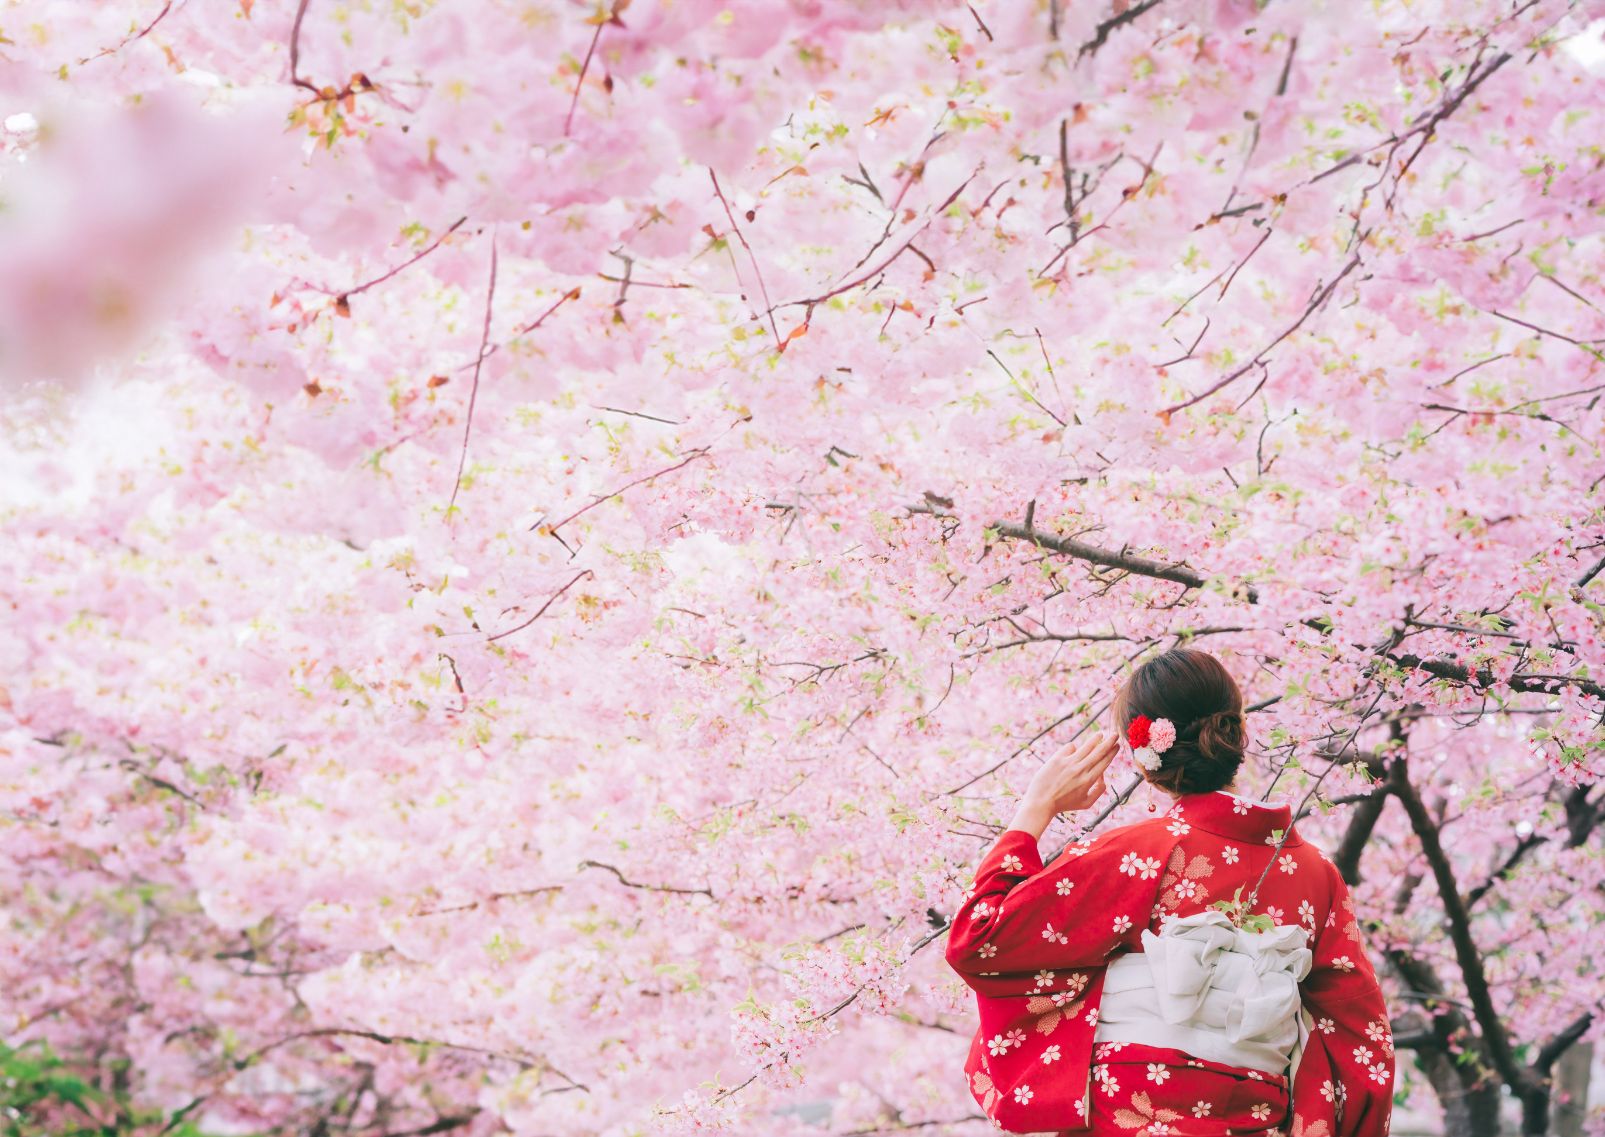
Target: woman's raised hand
1073, 778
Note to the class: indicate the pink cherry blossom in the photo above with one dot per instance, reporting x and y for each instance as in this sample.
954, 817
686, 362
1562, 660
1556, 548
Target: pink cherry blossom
521, 607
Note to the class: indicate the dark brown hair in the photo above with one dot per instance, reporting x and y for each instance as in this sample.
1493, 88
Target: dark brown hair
1198, 695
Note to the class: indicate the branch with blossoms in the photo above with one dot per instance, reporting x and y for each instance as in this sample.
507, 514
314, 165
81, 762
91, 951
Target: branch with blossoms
1481, 677
1101, 34
1467, 1044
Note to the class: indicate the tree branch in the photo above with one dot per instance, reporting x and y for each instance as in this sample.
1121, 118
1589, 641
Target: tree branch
1551, 1051
479, 363
1492, 1028
1101, 32
1531, 682
1362, 821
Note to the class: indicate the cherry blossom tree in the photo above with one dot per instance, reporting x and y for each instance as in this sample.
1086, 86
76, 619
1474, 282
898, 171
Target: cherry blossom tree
542, 538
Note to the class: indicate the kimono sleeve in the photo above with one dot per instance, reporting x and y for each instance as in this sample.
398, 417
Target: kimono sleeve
1020, 918
1343, 1086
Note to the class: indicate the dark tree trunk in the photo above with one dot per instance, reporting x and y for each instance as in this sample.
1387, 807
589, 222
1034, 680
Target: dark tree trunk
1571, 1090
1466, 1112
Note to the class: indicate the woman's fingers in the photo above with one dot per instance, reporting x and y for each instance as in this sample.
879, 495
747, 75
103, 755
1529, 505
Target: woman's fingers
1094, 745
1096, 749
1071, 753
1088, 757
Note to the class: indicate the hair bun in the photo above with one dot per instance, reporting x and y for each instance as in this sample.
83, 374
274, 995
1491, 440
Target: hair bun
1221, 737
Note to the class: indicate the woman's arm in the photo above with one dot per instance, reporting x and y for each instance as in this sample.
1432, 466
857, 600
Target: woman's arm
1021, 925
1032, 816
1345, 1076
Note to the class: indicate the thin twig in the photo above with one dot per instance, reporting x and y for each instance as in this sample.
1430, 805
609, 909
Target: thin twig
479, 363
542, 610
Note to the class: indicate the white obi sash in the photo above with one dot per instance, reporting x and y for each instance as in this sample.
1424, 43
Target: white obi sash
1212, 989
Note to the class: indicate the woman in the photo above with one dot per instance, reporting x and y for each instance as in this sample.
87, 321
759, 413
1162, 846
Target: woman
1200, 972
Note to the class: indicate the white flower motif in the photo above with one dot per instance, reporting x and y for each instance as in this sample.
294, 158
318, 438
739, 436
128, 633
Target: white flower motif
1179, 828
981, 911
1012, 863
1016, 1038
1122, 925
1325, 1026
1328, 1091
1378, 1072
1229, 854
1260, 1111
1138, 866
1186, 889
1157, 1073
1081, 1107
1201, 1108
1063, 887
1107, 1082
988, 951
1239, 805
1274, 913
1306, 913
997, 1044
1079, 849
1044, 978
1092, 1017
1379, 1033
1287, 864
1051, 1054
1343, 963
1362, 1055
1022, 1094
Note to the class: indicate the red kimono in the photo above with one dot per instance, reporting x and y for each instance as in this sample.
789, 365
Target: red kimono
1033, 943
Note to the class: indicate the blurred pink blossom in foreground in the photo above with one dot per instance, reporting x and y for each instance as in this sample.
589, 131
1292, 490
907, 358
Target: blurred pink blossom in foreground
109, 211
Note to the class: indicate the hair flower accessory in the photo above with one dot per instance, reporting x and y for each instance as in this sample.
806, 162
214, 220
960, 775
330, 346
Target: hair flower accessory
1149, 739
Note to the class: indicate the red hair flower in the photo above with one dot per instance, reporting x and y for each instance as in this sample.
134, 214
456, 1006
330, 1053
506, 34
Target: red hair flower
1149, 739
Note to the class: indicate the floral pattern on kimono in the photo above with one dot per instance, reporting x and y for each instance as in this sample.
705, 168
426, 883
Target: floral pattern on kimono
1159, 1091
1033, 941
